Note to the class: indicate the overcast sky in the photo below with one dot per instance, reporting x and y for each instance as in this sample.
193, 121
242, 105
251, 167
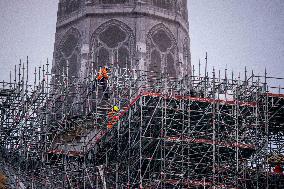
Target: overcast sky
235, 33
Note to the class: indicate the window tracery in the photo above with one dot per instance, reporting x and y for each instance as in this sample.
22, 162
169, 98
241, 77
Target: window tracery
67, 63
113, 42
69, 51
162, 50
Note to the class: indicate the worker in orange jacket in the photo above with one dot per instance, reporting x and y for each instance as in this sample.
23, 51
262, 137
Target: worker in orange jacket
102, 78
113, 117
103, 74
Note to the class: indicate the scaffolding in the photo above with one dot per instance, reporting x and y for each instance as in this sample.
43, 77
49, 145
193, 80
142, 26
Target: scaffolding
192, 132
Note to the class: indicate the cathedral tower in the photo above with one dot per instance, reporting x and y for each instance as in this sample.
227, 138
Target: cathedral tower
140, 34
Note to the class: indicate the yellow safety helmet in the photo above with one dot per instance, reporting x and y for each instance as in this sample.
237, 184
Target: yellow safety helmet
116, 108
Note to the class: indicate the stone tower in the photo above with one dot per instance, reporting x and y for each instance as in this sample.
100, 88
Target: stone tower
139, 34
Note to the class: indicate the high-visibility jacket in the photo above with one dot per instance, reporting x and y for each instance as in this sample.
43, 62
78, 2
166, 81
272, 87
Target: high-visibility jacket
112, 119
103, 73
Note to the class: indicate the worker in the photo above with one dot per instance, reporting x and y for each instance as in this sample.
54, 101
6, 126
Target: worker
113, 117
103, 74
102, 79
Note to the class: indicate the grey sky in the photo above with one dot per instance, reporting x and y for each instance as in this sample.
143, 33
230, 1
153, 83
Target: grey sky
236, 33
239, 33
27, 28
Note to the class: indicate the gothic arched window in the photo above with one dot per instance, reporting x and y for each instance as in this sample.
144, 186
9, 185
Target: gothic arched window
67, 56
113, 42
162, 49
67, 62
